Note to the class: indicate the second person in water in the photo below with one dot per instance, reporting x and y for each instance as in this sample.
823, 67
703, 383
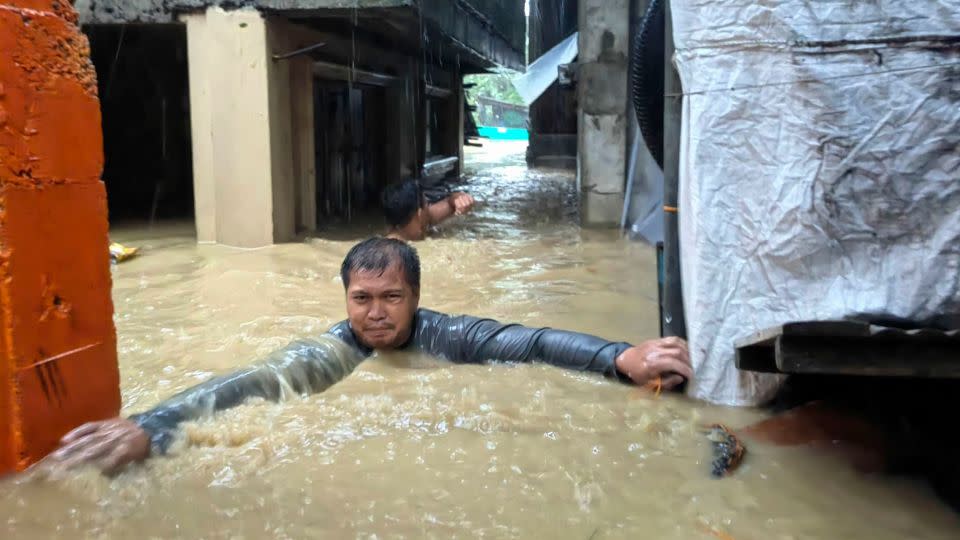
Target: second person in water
409, 215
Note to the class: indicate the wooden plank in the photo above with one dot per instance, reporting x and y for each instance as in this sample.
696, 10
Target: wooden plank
760, 337
806, 328
760, 358
868, 356
826, 328
438, 92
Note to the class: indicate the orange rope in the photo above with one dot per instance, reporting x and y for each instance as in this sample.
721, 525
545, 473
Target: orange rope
656, 386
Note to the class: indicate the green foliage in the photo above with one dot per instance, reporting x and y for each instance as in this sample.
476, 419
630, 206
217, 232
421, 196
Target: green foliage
495, 86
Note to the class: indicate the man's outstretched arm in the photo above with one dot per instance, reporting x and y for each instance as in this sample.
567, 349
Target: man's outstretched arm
305, 366
471, 339
456, 204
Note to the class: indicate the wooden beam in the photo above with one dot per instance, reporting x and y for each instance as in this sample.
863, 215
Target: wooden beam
850, 348
437, 92
873, 357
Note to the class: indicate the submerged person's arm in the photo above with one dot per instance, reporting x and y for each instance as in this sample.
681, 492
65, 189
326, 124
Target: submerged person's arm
303, 367
468, 339
456, 204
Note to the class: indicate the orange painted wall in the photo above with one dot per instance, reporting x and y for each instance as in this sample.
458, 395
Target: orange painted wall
58, 363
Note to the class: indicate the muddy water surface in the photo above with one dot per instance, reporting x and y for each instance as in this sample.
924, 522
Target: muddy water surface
412, 447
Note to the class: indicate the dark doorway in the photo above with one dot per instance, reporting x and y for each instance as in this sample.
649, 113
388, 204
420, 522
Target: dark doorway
349, 131
144, 100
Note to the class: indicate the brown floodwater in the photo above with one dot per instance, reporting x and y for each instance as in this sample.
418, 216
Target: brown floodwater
411, 447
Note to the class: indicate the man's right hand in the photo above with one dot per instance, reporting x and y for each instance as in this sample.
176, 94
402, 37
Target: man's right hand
462, 202
108, 445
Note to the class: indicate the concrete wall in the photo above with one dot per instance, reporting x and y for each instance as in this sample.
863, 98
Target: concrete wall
602, 95
241, 121
58, 354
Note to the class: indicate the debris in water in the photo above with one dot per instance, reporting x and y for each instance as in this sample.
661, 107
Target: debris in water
728, 451
120, 253
716, 532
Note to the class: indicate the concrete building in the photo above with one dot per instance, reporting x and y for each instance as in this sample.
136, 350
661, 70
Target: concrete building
589, 124
270, 118
604, 45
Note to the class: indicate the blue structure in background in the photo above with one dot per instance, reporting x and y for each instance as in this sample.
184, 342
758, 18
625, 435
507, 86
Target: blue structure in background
503, 133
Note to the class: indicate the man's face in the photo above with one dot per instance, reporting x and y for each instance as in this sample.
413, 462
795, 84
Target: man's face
381, 307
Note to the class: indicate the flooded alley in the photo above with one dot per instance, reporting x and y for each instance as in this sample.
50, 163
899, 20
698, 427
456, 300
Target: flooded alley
411, 447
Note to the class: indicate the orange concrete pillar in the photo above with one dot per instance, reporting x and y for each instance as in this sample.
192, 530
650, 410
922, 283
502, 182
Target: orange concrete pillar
58, 360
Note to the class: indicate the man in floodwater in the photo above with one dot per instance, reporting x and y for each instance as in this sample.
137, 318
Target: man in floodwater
381, 277
409, 215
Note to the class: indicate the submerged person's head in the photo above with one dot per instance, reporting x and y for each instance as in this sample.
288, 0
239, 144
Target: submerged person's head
381, 277
404, 207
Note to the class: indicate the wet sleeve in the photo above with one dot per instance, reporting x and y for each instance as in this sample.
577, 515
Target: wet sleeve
468, 339
303, 367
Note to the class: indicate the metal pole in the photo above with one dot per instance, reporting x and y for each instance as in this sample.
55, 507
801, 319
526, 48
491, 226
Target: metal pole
298, 52
339, 72
673, 317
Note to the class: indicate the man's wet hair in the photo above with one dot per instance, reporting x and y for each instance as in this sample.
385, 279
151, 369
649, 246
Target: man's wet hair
401, 202
377, 254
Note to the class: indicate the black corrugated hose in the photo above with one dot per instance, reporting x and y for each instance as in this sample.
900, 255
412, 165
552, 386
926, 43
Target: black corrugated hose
646, 78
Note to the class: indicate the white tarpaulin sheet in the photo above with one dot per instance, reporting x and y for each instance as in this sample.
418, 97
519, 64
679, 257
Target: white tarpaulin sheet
543, 71
819, 170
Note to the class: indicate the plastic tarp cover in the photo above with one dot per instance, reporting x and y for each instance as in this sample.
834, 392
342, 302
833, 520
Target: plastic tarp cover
819, 170
543, 71
643, 206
